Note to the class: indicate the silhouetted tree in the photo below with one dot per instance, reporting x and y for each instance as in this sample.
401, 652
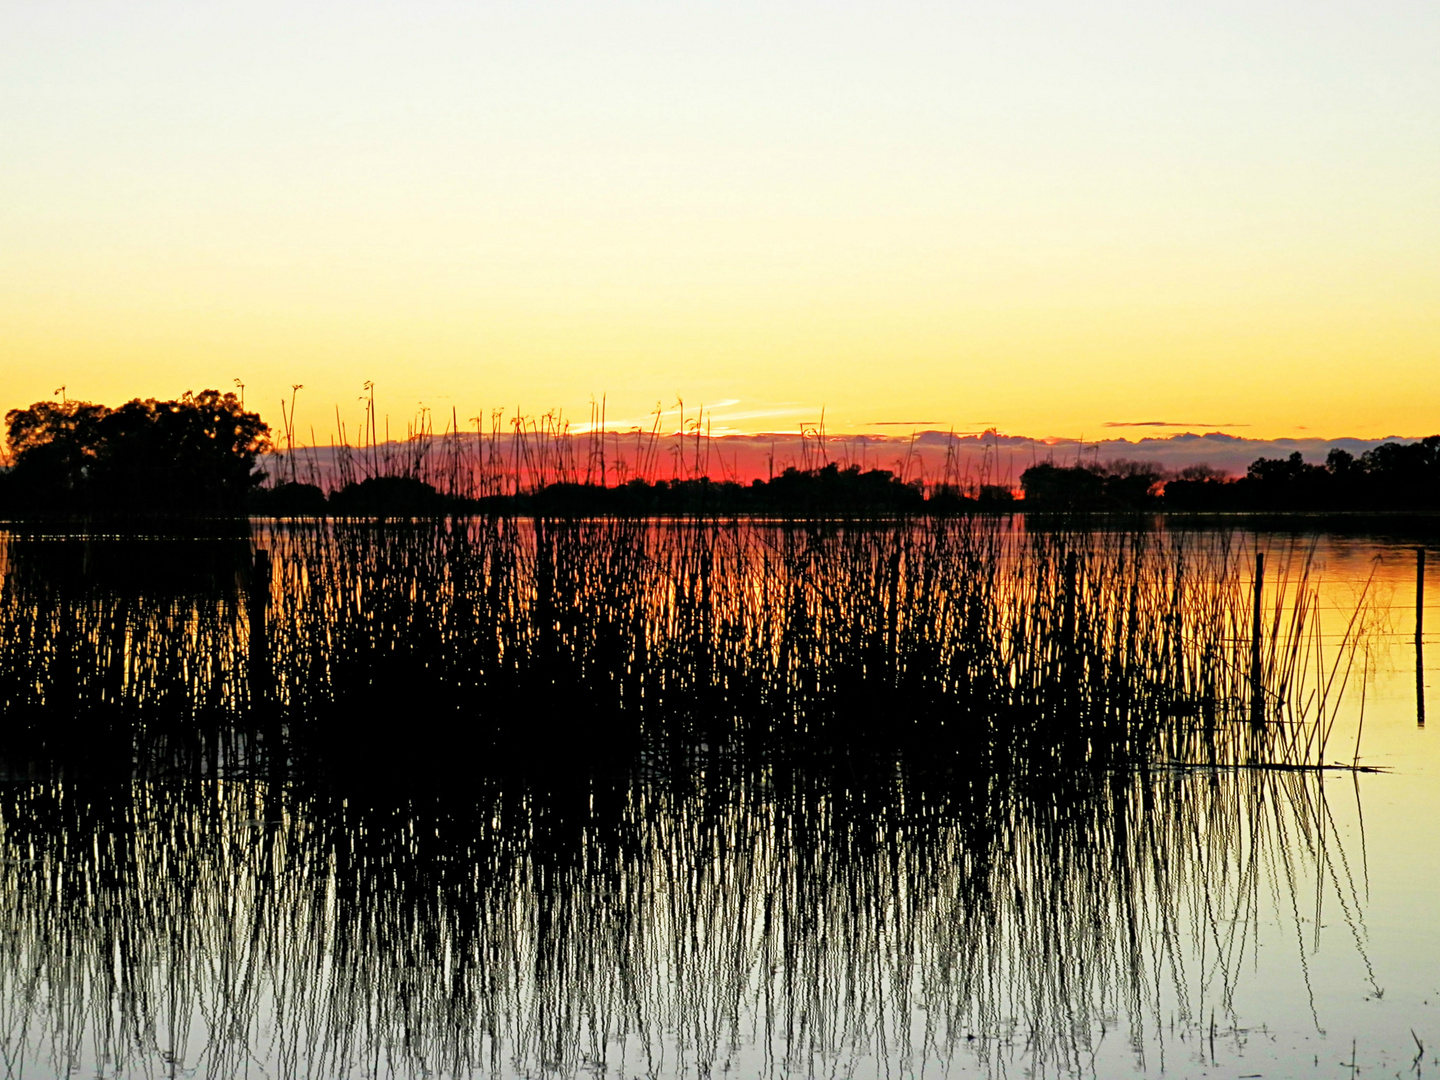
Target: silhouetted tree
292, 499
794, 493
191, 456
1118, 485
1391, 476
386, 496
1404, 473
54, 447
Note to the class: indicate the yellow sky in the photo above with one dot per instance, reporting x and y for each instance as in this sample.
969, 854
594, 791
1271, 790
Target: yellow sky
1016, 215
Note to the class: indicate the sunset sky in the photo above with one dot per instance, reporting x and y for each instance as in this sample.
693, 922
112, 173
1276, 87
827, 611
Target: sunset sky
1042, 217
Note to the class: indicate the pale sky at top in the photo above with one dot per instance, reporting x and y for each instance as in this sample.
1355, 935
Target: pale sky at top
1038, 215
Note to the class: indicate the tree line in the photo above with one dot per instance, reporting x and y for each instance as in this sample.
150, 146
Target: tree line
1391, 476
198, 456
793, 493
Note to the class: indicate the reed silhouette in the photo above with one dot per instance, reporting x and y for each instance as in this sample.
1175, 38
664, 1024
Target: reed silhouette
1018, 649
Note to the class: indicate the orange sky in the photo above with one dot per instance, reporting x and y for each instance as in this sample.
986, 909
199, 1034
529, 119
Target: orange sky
1024, 216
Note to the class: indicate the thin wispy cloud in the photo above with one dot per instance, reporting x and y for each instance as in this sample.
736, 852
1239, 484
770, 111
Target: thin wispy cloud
717, 418
1169, 423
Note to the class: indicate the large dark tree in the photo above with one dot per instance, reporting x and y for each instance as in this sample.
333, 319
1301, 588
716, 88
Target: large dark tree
1118, 485
191, 456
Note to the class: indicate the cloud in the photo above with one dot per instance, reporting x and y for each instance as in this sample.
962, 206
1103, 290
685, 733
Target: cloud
1168, 423
719, 421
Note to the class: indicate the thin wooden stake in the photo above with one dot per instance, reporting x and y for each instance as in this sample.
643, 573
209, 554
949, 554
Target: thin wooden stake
1420, 637
1257, 692
1419, 595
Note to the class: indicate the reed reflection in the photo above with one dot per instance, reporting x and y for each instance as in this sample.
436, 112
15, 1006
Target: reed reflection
857, 920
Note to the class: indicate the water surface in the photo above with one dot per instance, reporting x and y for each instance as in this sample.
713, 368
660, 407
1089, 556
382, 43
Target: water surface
698, 800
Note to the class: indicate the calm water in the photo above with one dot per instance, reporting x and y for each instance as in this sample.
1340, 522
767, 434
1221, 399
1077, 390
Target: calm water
680, 802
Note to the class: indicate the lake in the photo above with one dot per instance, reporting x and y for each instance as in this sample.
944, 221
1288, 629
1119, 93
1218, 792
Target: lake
663, 798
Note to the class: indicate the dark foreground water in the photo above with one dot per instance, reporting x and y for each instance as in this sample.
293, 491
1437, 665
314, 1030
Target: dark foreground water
683, 801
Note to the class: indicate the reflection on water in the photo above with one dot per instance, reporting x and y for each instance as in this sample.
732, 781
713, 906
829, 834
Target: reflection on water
663, 800
771, 923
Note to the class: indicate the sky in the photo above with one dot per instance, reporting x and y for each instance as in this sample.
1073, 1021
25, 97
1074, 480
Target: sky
1041, 217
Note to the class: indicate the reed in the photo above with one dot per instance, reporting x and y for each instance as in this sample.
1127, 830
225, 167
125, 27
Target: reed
524, 454
1037, 652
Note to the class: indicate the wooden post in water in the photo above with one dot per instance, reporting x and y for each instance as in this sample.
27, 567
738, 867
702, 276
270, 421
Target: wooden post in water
1419, 595
1257, 688
1420, 637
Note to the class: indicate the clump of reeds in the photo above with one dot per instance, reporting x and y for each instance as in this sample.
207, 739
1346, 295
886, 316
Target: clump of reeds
1034, 651
1019, 650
